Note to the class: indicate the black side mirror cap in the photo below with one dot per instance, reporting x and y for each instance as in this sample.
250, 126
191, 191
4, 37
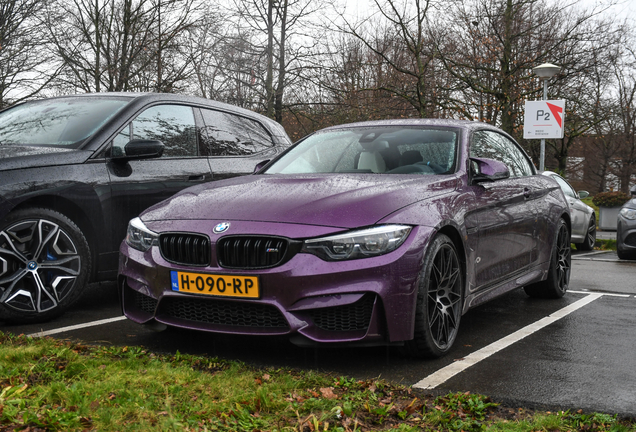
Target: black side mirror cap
141, 149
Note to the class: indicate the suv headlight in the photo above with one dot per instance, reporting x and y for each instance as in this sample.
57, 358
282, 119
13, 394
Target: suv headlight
628, 213
363, 243
139, 236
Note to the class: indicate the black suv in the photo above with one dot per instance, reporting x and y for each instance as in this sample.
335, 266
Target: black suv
74, 170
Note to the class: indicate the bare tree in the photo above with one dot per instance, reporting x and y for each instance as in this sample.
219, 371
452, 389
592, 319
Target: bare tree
283, 40
120, 45
625, 73
25, 66
400, 38
491, 46
224, 61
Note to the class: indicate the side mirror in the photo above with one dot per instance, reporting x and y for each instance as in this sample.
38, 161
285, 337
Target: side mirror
141, 149
488, 170
259, 166
144, 149
583, 194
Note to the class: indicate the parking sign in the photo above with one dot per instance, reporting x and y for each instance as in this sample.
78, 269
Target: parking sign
544, 119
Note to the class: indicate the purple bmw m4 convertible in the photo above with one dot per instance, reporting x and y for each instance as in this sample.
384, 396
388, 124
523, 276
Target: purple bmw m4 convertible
381, 232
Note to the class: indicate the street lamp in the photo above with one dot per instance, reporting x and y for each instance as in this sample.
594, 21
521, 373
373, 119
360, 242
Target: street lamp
545, 72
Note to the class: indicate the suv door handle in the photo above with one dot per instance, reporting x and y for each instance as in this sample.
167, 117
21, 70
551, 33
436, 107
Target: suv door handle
195, 178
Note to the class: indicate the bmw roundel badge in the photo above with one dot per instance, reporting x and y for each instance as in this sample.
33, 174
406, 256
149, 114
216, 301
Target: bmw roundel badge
221, 228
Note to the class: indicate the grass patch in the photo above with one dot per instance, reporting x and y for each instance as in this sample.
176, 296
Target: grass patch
51, 385
605, 245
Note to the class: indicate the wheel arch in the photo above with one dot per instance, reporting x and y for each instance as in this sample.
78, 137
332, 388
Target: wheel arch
566, 217
453, 233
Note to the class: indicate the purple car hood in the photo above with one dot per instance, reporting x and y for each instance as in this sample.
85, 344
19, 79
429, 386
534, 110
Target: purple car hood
345, 201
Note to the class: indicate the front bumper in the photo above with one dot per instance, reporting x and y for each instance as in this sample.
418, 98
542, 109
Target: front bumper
626, 235
370, 301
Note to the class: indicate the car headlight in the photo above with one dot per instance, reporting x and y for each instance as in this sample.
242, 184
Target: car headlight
139, 236
628, 213
364, 243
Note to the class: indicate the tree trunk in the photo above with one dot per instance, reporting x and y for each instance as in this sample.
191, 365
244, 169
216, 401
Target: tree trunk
281, 63
269, 79
507, 117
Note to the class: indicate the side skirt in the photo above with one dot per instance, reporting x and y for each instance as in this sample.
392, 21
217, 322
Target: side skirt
530, 275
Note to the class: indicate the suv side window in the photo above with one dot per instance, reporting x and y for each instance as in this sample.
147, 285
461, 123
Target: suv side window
492, 145
173, 125
227, 134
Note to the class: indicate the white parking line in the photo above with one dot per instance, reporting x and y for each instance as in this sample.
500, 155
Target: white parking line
601, 293
590, 253
76, 327
442, 375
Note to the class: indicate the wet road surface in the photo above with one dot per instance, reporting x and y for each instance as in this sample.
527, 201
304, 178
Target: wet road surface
584, 356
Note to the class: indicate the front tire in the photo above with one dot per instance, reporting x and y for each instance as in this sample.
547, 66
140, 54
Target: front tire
439, 301
45, 265
556, 284
590, 238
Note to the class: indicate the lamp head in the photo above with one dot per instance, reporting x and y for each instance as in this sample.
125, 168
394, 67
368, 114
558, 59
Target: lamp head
546, 70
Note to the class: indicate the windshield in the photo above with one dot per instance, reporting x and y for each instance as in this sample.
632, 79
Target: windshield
386, 150
56, 122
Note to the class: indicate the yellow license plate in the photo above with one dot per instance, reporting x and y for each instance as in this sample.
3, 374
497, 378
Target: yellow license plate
216, 285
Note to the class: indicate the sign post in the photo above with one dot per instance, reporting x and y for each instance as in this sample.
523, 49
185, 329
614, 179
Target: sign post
545, 72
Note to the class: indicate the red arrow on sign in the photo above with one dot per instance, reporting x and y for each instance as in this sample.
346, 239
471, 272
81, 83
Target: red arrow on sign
556, 112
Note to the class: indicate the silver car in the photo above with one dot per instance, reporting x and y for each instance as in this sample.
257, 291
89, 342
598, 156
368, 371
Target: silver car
583, 216
626, 229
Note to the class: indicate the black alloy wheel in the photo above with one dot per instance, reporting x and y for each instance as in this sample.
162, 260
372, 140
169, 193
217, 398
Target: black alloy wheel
44, 265
439, 301
556, 284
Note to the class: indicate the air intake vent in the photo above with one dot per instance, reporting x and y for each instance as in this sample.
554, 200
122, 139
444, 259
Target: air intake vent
233, 314
355, 316
144, 303
253, 252
630, 240
187, 249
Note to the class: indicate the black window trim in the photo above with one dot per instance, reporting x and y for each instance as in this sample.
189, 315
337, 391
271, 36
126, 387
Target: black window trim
268, 148
103, 152
504, 134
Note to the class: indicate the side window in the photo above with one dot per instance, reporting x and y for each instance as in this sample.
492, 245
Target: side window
488, 144
173, 125
231, 135
567, 190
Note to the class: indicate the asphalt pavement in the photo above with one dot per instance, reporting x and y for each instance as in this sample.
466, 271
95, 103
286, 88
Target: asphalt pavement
572, 353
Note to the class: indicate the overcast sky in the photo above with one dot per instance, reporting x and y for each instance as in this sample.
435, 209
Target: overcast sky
622, 8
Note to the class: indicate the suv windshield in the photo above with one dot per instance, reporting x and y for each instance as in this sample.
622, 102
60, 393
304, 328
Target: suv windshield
386, 150
57, 122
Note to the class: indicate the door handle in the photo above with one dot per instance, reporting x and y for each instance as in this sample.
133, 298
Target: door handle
526, 193
196, 178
